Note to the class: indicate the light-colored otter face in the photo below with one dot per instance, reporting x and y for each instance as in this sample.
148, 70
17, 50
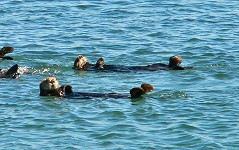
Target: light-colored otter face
49, 84
80, 62
175, 61
147, 87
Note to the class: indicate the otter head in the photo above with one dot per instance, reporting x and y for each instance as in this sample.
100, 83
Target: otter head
140, 91
81, 62
6, 50
147, 87
49, 87
100, 64
175, 61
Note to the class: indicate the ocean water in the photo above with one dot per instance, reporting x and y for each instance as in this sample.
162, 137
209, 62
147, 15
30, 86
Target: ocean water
191, 109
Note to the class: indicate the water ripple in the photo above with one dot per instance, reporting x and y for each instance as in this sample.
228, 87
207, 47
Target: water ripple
190, 109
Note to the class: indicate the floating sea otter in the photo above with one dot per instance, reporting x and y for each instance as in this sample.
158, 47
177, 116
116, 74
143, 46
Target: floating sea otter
13, 71
50, 87
4, 51
10, 73
81, 63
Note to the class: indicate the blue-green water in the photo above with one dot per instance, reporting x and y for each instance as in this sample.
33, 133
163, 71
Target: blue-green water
192, 109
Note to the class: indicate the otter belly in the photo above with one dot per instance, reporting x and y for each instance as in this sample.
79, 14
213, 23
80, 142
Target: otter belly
85, 95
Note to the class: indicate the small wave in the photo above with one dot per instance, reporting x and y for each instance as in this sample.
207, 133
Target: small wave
23, 70
156, 34
175, 95
194, 40
85, 6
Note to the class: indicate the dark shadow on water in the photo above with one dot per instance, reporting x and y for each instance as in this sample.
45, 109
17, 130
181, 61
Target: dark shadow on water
138, 101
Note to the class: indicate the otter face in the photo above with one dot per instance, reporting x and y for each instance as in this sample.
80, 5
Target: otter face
48, 85
80, 62
147, 87
100, 63
175, 61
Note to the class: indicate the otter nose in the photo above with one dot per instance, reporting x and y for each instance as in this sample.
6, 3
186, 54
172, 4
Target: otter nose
52, 81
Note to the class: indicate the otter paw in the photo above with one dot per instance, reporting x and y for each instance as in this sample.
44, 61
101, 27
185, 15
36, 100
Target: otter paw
136, 92
100, 63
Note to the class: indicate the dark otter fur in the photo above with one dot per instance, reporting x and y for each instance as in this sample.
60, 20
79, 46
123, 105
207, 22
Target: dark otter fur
10, 73
50, 87
4, 51
81, 63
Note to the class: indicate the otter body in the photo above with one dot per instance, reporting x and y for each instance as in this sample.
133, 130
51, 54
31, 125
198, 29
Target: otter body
13, 71
89, 95
10, 73
50, 87
81, 63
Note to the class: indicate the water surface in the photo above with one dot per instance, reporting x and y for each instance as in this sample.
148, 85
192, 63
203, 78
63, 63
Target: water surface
192, 109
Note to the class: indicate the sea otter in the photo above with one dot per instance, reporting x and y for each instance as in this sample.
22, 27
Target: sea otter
13, 72
4, 51
81, 63
10, 73
50, 87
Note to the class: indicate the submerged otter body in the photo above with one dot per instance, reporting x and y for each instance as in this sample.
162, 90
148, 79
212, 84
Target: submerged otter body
88, 95
81, 63
50, 87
